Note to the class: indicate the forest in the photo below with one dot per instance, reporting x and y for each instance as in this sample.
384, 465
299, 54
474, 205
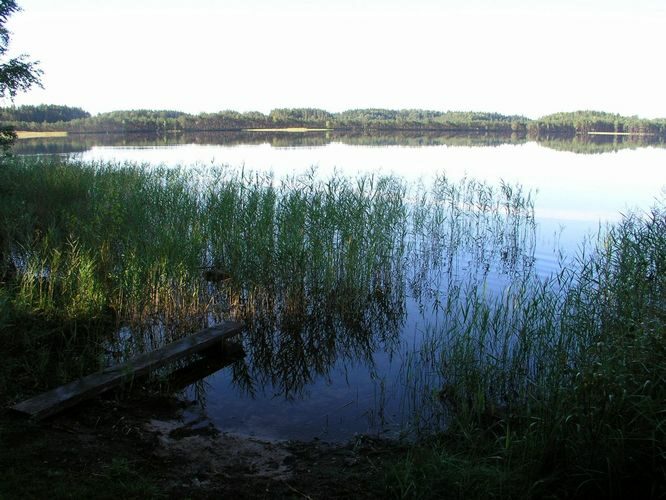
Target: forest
43, 113
54, 118
584, 122
76, 120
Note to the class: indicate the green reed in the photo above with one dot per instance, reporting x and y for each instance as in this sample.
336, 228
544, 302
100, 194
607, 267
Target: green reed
97, 248
315, 277
554, 387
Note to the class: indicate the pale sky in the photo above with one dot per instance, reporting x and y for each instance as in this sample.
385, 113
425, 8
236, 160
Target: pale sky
509, 56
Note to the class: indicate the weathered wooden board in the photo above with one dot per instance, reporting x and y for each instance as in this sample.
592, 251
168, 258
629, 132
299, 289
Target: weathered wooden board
212, 360
67, 395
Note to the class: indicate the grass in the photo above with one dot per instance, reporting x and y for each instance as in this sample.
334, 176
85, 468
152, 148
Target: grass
107, 260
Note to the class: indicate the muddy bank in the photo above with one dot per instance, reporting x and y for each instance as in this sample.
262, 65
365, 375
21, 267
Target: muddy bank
146, 448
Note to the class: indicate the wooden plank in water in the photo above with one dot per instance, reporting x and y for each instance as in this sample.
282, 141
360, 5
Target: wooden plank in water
210, 363
68, 395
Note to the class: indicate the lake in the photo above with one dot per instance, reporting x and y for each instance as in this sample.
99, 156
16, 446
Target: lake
363, 382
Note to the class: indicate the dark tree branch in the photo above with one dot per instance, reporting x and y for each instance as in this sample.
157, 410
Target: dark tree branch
18, 75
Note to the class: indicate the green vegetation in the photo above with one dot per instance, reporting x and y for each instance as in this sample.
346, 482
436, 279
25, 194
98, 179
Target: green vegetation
47, 464
44, 113
585, 122
555, 388
94, 253
579, 123
361, 119
547, 387
16, 74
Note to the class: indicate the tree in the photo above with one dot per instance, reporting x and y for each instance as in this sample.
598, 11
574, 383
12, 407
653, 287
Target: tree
17, 74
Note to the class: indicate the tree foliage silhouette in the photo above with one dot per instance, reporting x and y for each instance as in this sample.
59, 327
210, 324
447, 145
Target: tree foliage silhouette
17, 74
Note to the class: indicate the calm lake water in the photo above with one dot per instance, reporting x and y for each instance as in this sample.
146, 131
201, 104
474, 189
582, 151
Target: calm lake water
362, 389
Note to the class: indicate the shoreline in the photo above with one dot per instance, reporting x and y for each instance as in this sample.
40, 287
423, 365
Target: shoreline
33, 134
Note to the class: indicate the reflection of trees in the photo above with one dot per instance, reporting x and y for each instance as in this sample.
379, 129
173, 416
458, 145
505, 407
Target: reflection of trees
76, 143
597, 144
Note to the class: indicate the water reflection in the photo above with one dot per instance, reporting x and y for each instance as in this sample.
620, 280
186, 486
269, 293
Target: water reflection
321, 284
79, 143
332, 336
601, 143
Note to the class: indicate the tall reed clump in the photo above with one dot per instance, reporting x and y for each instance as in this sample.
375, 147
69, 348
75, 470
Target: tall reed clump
312, 266
555, 388
89, 247
111, 259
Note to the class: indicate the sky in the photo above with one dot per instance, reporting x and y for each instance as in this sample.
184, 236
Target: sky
509, 56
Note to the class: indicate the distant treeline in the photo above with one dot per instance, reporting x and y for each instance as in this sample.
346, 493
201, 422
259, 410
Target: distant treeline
44, 113
584, 122
166, 121
76, 120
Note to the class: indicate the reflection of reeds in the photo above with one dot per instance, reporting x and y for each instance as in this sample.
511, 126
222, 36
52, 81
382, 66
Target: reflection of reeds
550, 387
316, 267
100, 246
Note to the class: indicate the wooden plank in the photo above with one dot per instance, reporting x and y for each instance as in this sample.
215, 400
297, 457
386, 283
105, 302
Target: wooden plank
65, 396
210, 363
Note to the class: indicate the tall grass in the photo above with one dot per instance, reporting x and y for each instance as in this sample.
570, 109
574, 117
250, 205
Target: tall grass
112, 259
556, 387
117, 255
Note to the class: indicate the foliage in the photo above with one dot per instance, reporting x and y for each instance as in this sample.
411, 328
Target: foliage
365, 119
301, 116
16, 74
372, 119
44, 113
583, 122
553, 387
102, 249
424, 119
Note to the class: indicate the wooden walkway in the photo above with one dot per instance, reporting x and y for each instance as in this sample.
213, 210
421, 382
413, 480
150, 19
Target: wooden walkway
51, 402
